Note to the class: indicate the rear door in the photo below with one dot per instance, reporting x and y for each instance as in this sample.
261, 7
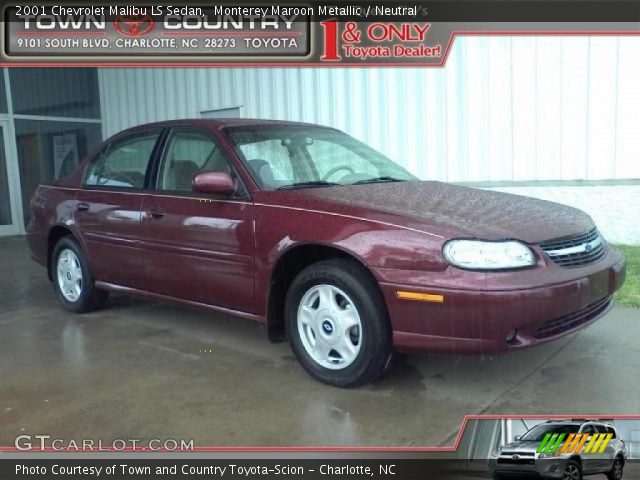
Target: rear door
589, 460
197, 247
108, 207
608, 454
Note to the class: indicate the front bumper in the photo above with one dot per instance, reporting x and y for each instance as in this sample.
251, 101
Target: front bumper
479, 320
541, 467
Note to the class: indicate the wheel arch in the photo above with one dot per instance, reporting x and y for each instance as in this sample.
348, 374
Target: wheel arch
288, 265
577, 459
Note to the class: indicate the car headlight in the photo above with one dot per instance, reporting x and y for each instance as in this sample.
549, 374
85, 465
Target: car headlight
546, 455
488, 255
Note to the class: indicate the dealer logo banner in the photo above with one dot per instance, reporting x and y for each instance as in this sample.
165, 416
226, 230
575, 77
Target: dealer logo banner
305, 33
220, 31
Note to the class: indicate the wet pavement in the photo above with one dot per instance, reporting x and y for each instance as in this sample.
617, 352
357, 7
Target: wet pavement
144, 370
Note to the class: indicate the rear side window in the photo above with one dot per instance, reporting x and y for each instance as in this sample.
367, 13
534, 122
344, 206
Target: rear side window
612, 431
601, 429
93, 172
124, 163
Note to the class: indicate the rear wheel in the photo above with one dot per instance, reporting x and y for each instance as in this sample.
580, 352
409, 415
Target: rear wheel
616, 469
72, 279
337, 323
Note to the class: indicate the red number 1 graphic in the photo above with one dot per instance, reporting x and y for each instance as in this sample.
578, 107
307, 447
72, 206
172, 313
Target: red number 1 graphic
330, 53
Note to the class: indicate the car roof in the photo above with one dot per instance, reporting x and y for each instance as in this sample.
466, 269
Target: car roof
216, 123
579, 422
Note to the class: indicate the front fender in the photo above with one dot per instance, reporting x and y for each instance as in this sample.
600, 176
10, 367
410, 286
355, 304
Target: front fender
374, 244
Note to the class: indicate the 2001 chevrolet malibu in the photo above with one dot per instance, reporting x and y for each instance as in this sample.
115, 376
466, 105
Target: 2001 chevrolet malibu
320, 238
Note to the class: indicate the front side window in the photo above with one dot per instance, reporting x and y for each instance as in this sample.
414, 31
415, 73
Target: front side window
188, 153
124, 163
293, 156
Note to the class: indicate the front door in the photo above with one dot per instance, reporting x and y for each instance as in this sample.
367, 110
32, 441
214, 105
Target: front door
9, 194
197, 247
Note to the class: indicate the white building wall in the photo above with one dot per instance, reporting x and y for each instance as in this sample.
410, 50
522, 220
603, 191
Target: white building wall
503, 109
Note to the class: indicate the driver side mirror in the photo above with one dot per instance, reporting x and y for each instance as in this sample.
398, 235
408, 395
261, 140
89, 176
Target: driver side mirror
217, 183
517, 438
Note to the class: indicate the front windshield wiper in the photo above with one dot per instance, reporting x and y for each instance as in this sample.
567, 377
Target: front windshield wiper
312, 183
383, 179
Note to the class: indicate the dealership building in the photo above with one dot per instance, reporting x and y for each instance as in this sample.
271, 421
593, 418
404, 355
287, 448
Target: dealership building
552, 117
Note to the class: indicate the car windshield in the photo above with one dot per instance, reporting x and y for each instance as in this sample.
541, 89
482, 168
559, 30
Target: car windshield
293, 156
537, 433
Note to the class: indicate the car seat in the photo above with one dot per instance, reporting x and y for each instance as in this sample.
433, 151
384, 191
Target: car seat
263, 171
183, 172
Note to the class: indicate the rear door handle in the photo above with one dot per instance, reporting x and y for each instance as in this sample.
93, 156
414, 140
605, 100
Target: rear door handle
82, 207
156, 212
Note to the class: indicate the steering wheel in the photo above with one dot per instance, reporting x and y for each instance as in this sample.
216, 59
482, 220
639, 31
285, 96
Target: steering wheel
337, 169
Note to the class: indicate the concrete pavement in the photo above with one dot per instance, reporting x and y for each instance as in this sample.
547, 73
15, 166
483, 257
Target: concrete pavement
144, 370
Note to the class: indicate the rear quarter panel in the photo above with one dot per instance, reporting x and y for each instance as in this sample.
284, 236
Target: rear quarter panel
50, 206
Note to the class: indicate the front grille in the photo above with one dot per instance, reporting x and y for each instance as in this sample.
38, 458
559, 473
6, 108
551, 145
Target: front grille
576, 251
557, 326
522, 458
517, 461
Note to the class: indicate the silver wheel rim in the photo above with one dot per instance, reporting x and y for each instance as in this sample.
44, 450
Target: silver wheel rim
571, 473
329, 327
69, 275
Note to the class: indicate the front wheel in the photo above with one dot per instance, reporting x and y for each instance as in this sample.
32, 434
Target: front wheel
72, 279
337, 323
572, 471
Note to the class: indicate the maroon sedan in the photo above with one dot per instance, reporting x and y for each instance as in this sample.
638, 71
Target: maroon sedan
323, 240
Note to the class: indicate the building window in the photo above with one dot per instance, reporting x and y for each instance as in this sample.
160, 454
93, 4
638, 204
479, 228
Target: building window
5, 200
55, 92
51, 149
3, 93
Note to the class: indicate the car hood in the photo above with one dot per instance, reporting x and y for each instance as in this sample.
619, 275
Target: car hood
454, 210
521, 447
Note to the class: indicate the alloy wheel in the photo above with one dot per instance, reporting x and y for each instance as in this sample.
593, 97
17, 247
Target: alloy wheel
329, 326
571, 472
617, 469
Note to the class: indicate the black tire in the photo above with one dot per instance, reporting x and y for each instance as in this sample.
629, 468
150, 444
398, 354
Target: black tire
89, 298
375, 338
572, 466
615, 473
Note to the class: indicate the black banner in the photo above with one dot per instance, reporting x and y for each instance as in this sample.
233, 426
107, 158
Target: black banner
433, 11
200, 469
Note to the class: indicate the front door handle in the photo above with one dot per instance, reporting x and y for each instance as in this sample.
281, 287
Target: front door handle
156, 212
82, 207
